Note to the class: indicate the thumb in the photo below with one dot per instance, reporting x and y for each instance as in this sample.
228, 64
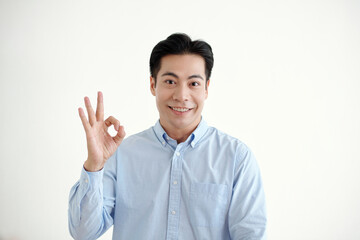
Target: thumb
119, 136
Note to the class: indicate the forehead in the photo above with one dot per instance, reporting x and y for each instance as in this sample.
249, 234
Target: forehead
185, 64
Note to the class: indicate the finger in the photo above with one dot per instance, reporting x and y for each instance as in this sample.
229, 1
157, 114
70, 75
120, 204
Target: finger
119, 136
84, 121
90, 111
112, 121
100, 107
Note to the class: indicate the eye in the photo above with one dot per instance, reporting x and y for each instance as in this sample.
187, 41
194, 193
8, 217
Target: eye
169, 81
194, 84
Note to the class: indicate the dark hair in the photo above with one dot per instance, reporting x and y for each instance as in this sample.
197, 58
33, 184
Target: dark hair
180, 43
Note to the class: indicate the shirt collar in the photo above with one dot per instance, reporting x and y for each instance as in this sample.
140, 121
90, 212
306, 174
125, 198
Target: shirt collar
194, 137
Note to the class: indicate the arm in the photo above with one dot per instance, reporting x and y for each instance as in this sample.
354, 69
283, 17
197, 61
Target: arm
92, 202
247, 212
92, 198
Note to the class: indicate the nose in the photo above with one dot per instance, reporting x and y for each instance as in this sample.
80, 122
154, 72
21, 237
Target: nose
181, 93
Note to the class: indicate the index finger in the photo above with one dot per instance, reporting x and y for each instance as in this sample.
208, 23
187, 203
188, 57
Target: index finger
100, 107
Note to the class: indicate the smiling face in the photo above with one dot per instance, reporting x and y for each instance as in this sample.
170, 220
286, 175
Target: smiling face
180, 90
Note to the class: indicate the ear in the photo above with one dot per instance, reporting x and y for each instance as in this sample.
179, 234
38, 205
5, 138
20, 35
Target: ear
152, 86
207, 88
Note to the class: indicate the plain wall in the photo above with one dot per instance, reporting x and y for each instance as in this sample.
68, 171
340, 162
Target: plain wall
286, 81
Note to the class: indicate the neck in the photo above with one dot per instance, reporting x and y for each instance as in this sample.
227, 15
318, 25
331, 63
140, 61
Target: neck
180, 135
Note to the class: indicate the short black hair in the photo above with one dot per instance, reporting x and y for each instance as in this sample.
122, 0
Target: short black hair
178, 44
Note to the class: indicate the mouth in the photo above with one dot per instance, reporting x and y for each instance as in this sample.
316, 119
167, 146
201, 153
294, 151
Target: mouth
180, 109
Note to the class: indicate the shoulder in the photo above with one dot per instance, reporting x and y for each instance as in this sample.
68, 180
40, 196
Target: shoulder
144, 141
217, 138
224, 138
146, 135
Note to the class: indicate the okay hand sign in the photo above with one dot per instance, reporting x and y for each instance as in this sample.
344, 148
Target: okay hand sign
100, 144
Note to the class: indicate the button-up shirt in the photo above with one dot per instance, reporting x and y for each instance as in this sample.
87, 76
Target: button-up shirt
208, 187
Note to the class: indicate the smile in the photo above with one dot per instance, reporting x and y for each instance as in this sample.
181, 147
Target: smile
180, 109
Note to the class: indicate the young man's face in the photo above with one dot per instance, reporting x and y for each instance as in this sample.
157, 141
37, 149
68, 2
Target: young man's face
180, 91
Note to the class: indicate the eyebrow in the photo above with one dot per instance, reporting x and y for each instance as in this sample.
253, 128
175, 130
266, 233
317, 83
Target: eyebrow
176, 76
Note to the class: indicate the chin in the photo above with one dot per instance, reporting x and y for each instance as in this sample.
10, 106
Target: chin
182, 124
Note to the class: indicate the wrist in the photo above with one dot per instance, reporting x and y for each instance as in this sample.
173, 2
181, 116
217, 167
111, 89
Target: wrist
91, 167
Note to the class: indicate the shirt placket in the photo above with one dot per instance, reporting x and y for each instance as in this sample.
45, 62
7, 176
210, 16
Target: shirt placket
174, 196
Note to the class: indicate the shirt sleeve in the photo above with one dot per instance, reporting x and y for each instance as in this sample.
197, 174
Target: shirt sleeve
92, 202
247, 212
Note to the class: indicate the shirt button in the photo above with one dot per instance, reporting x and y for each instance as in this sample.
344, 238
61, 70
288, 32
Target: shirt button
86, 180
177, 154
175, 182
173, 212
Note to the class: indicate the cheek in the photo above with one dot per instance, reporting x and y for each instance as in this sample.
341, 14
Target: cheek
163, 95
200, 99
161, 98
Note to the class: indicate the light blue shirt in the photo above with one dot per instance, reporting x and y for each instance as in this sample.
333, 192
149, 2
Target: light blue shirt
208, 187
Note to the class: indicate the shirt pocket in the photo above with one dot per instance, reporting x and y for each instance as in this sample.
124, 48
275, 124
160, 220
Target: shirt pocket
208, 204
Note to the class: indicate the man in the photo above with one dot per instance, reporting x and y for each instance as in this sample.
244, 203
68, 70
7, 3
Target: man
179, 179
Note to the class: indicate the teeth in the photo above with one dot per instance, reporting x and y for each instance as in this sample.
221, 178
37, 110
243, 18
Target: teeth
180, 109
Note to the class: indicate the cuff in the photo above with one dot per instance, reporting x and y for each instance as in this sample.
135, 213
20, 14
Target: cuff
91, 179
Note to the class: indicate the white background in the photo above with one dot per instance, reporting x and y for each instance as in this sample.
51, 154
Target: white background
286, 81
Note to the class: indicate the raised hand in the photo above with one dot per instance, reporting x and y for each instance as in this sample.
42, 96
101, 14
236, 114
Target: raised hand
100, 144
